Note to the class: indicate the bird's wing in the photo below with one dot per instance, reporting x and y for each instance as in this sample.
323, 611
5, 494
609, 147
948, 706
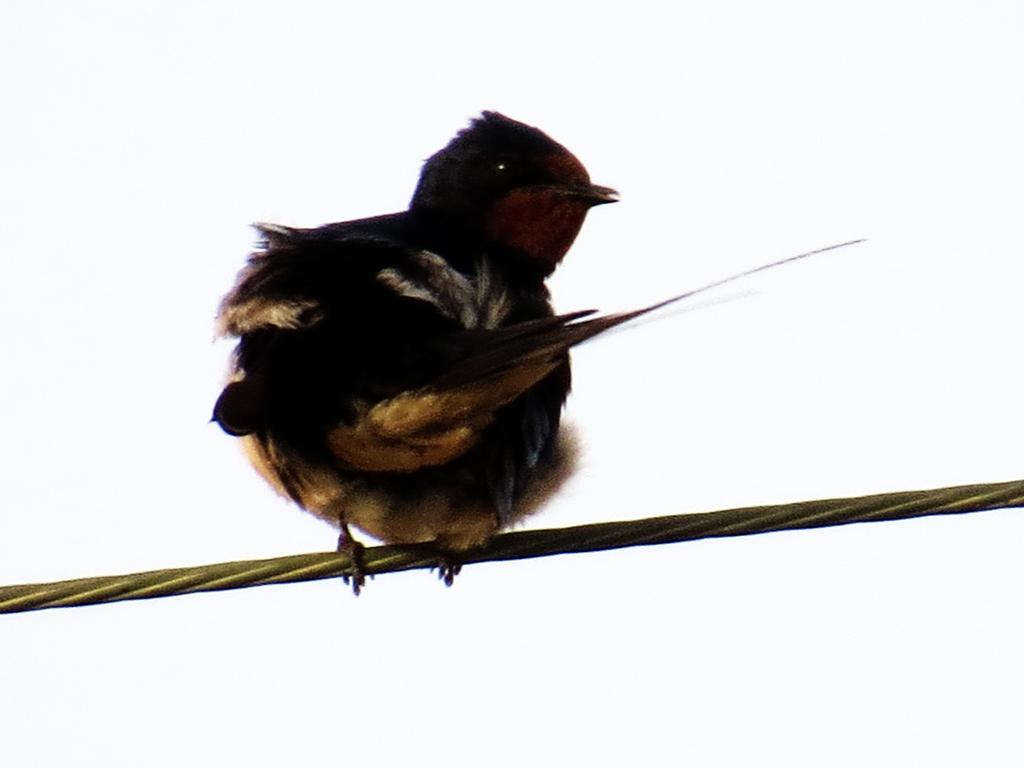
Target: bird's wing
436, 423
323, 315
359, 342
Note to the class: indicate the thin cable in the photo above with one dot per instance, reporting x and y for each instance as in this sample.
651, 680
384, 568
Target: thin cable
518, 545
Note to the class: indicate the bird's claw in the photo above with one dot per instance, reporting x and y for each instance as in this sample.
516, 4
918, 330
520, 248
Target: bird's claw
347, 545
447, 569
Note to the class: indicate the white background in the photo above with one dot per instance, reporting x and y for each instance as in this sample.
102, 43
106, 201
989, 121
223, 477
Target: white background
138, 141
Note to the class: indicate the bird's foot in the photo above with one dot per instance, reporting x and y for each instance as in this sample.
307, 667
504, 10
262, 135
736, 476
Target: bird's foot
347, 545
451, 549
447, 568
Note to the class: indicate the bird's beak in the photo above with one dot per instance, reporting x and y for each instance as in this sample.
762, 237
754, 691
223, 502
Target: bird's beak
601, 195
591, 193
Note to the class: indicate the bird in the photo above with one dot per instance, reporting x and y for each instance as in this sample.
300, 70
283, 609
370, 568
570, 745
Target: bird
404, 374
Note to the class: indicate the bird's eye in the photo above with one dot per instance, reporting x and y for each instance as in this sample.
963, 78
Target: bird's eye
502, 166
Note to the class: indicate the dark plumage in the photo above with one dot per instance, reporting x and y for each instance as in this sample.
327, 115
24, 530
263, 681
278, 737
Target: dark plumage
405, 374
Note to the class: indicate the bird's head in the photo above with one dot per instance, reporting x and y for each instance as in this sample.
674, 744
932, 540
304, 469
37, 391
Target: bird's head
512, 185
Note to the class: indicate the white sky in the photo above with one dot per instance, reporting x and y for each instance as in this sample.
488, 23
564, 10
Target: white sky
138, 141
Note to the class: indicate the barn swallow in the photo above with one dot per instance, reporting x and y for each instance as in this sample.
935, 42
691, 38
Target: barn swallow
405, 374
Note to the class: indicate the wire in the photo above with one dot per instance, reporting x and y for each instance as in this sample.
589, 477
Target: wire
517, 545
